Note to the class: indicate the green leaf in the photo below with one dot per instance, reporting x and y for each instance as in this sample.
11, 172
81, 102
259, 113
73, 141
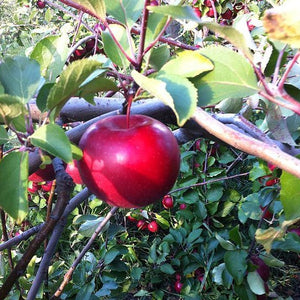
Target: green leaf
20, 76
181, 12
3, 135
70, 82
236, 264
99, 84
159, 56
232, 77
13, 178
10, 108
53, 139
175, 91
41, 99
51, 53
96, 7
235, 235
188, 64
110, 255
290, 243
155, 25
110, 47
256, 283
88, 227
231, 34
76, 152
125, 11
290, 195
227, 245
268, 236
86, 291
167, 268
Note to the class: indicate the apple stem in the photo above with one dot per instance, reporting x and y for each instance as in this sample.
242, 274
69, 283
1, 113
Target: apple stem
130, 97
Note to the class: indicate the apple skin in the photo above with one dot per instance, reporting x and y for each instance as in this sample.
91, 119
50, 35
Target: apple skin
168, 202
72, 170
152, 226
129, 167
46, 174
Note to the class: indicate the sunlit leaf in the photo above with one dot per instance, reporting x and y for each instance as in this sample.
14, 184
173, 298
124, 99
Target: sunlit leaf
10, 108
94, 7
283, 22
188, 64
53, 139
232, 76
20, 76
290, 195
13, 178
51, 53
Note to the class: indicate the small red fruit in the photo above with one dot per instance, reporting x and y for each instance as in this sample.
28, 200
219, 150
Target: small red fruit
271, 166
267, 214
40, 4
34, 188
152, 226
72, 170
178, 286
197, 12
46, 174
141, 224
210, 13
47, 186
129, 165
79, 53
132, 219
167, 202
228, 14
207, 3
182, 206
272, 182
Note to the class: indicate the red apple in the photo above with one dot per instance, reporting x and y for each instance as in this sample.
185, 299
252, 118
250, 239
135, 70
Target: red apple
272, 182
46, 174
72, 170
167, 202
207, 3
129, 166
178, 286
152, 226
262, 269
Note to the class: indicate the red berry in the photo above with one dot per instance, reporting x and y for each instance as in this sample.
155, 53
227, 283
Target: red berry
271, 167
227, 15
210, 13
178, 286
46, 174
47, 186
152, 226
197, 12
207, 3
129, 165
79, 53
72, 170
34, 188
40, 4
182, 206
141, 224
167, 202
132, 219
272, 182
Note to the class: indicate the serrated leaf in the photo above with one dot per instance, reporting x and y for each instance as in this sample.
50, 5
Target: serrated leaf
13, 178
256, 283
181, 12
236, 264
94, 7
175, 91
53, 140
232, 77
88, 227
96, 85
231, 34
282, 23
20, 76
10, 108
110, 47
188, 64
125, 11
51, 53
290, 195
70, 82
155, 25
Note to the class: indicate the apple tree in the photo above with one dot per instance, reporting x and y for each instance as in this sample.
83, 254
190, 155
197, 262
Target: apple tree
222, 75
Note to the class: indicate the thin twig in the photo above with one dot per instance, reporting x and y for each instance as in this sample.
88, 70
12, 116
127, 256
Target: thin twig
69, 274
